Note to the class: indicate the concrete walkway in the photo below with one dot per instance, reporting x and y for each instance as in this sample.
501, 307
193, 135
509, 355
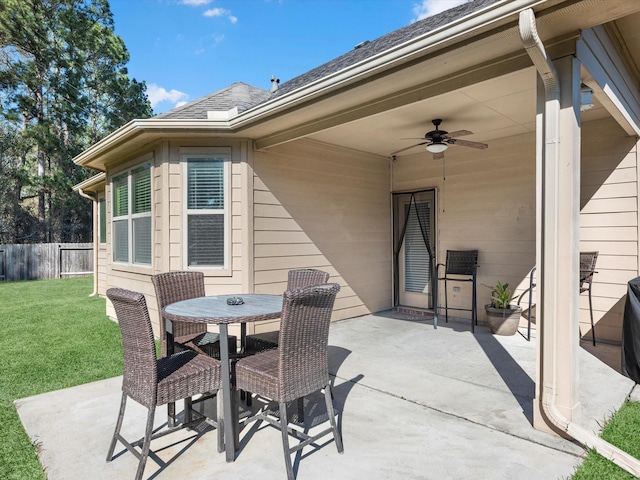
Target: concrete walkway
414, 402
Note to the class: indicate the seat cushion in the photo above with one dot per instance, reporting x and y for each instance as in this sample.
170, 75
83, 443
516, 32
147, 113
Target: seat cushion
259, 374
186, 374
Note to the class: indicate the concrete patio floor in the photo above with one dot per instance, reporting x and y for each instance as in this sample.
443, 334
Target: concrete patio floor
412, 401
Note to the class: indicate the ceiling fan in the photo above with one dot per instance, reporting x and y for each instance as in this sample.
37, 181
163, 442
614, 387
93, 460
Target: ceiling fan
437, 141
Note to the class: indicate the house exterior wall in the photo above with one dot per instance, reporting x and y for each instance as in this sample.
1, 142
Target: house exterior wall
608, 222
168, 214
488, 203
317, 206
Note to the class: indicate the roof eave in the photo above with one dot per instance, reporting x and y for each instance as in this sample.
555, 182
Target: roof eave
91, 184
150, 127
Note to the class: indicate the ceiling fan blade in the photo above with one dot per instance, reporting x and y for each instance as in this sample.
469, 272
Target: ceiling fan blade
408, 148
467, 143
438, 156
459, 133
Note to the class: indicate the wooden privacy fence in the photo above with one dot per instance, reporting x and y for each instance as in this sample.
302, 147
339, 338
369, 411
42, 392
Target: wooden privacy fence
37, 261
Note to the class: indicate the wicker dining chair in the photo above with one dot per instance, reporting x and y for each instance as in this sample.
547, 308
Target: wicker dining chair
153, 382
298, 278
171, 287
298, 367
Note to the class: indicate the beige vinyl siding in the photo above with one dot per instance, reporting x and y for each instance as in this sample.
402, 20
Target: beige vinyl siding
321, 207
608, 222
101, 270
489, 204
486, 203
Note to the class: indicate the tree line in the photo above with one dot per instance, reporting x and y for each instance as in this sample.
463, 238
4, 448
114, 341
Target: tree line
64, 85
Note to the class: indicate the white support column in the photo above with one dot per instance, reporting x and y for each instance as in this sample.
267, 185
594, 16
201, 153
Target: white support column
558, 187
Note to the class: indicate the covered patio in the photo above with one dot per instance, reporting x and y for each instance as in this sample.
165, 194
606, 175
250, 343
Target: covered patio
412, 402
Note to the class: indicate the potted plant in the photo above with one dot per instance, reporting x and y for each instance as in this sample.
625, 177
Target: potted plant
503, 317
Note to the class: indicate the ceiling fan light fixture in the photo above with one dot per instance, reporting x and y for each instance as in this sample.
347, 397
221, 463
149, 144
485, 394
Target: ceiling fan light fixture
437, 147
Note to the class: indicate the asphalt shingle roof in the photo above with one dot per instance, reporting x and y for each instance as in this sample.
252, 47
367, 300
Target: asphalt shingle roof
245, 96
238, 94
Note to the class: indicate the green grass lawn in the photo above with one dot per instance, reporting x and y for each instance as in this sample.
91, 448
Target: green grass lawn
623, 431
53, 336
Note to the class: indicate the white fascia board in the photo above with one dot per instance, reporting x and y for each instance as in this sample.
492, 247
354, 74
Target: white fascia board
446, 34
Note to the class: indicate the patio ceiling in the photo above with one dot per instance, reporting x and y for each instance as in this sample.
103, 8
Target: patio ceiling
494, 96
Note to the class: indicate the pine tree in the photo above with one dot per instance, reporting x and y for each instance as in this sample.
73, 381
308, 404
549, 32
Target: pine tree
63, 86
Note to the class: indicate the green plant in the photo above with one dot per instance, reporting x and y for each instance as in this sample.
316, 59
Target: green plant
501, 296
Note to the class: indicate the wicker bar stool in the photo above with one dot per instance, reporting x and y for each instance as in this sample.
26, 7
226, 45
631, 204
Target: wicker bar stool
298, 278
260, 342
587, 270
298, 367
153, 382
460, 266
171, 287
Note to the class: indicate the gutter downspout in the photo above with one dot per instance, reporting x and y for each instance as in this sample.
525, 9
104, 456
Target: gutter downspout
94, 202
534, 47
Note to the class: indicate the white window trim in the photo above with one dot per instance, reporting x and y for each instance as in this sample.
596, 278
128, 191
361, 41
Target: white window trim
131, 216
207, 152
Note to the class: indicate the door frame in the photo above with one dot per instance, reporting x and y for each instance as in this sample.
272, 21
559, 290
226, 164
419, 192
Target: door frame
398, 233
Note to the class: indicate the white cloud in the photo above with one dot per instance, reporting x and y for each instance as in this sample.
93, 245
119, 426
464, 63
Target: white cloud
159, 94
220, 12
195, 3
428, 8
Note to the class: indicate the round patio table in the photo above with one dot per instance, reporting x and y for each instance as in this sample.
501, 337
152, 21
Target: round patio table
216, 310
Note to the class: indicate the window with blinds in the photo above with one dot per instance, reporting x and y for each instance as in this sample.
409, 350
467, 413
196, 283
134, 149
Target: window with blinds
141, 189
206, 224
120, 195
102, 219
132, 216
205, 184
418, 267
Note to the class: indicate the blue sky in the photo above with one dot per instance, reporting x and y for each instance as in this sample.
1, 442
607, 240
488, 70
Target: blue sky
185, 49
